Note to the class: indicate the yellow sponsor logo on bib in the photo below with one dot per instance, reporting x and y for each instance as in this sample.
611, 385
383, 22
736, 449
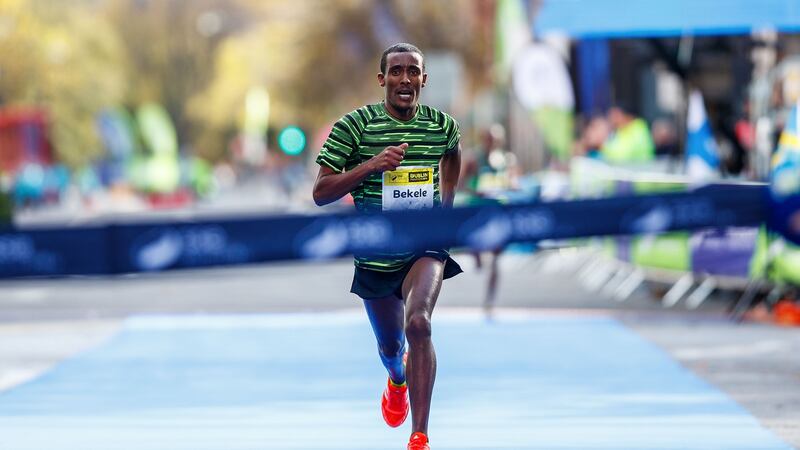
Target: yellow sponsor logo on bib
403, 176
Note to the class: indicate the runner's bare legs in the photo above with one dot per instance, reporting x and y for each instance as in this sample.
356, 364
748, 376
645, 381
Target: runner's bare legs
421, 289
388, 323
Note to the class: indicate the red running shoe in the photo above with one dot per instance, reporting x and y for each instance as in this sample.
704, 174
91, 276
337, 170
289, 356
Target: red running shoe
394, 404
418, 441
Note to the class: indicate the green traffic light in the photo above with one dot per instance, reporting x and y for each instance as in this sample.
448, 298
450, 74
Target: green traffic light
292, 140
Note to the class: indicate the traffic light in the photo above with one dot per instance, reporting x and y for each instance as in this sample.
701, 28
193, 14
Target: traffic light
292, 140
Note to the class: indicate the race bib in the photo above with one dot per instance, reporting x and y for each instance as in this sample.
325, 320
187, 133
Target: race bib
408, 188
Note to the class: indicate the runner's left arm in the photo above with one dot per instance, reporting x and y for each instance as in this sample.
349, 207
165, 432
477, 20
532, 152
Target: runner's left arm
449, 169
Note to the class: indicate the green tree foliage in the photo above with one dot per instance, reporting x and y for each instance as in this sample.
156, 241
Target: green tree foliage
170, 46
319, 59
198, 58
64, 58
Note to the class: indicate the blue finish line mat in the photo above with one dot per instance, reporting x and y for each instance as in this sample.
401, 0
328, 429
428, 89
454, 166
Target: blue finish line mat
313, 381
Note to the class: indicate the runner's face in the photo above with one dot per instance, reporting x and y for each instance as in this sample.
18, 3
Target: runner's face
402, 83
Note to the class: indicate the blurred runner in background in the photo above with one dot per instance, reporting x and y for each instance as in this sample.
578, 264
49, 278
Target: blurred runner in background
489, 175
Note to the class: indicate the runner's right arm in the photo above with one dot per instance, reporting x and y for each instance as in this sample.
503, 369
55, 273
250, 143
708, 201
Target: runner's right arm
331, 185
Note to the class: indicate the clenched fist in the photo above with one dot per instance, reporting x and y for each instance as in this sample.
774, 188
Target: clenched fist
389, 159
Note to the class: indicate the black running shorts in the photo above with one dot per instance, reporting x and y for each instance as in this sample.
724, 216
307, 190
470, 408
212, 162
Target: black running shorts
372, 284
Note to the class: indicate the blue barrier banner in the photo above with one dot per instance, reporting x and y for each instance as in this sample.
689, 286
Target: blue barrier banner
152, 246
48, 252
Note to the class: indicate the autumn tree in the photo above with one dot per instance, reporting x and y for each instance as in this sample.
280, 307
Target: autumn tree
65, 58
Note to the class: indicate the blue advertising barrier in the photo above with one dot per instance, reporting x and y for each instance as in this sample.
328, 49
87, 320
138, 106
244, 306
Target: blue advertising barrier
123, 247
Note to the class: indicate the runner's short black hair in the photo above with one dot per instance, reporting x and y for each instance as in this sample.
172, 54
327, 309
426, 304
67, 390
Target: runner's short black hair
402, 47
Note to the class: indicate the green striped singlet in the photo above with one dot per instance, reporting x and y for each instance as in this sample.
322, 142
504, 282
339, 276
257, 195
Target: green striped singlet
365, 132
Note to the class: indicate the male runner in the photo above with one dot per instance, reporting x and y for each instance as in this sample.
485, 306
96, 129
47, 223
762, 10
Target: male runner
381, 153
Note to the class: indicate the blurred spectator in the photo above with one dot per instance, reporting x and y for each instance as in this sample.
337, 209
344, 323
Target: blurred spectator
6, 202
29, 185
630, 141
743, 128
592, 138
741, 132
665, 138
